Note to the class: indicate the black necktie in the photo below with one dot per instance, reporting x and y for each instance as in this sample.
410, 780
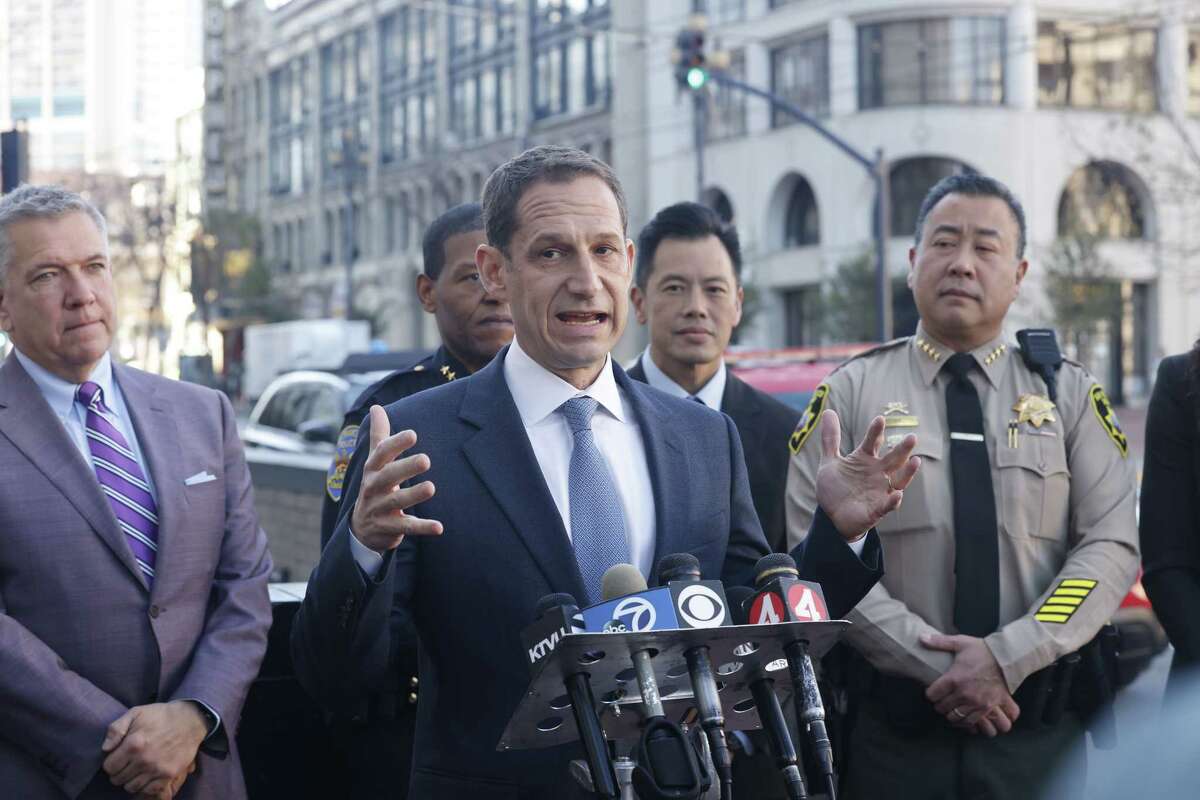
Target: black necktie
977, 558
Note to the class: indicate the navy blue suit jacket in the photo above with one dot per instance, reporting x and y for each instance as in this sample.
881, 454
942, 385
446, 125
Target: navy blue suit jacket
472, 590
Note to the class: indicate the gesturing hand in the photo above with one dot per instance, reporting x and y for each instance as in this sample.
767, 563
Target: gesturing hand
862, 488
379, 519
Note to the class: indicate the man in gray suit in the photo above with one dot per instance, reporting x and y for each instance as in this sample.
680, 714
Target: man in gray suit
133, 572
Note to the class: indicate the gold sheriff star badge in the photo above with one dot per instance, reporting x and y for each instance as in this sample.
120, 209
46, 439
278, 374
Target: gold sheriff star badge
1034, 409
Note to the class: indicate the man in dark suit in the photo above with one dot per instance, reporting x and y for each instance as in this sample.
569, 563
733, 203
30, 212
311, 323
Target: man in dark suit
688, 292
1170, 520
375, 738
133, 572
550, 465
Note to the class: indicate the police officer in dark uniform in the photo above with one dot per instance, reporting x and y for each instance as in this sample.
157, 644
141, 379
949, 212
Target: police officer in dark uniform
377, 736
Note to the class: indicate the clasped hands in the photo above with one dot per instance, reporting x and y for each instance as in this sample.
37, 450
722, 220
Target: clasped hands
151, 750
972, 695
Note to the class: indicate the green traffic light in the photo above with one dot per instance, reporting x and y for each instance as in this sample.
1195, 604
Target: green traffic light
697, 77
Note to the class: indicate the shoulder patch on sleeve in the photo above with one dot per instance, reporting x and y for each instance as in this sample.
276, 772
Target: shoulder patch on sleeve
1065, 600
808, 421
335, 479
1108, 418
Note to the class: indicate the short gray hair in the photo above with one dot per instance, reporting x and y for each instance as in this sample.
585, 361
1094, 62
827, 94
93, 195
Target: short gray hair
549, 163
32, 201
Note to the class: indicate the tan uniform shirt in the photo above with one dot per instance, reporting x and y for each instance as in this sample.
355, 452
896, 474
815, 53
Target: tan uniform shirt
1064, 492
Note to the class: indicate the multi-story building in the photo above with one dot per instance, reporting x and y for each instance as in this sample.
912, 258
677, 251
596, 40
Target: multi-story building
345, 127
1088, 109
98, 84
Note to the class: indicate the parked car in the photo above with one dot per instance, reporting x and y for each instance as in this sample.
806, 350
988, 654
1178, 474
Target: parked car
791, 375
301, 412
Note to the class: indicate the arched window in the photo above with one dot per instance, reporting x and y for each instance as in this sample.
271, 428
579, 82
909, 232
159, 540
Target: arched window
910, 180
1103, 200
801, 222
719, 202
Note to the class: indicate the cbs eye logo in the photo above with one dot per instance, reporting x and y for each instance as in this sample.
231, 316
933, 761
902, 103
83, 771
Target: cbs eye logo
700, 607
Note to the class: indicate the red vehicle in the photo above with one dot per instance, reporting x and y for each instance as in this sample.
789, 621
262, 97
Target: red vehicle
792, 374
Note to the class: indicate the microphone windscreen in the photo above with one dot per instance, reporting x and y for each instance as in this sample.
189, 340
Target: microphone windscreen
552, 601
737, 597
773, 566
678, 566
620, 580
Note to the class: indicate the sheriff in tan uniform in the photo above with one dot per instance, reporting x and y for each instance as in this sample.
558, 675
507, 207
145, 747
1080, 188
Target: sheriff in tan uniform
1065, 534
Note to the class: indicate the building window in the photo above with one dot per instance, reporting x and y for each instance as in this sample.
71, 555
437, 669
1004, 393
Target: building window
800, 74
802, 224
571, 70
407, 85
909, 181
720, 12
482, 63
727, 107
802, 310
1093, 66
345, 119
290, 136
1193, 101
932, 61
1102, 200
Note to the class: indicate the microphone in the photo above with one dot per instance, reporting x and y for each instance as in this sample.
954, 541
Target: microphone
680, 573
781, 590
559, 613
667, 767
762, 689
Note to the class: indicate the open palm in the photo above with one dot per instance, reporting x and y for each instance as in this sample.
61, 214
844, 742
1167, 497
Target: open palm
860, 489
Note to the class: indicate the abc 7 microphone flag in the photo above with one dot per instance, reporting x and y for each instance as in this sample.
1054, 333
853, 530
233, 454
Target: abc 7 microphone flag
679, 604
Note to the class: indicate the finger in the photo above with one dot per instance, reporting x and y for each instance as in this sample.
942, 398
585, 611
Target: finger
940, 641
902, 477
389, 450
381, 426
1000, 720
138, 783
986, 727
939, 690
894, 459
400, 525
127, 773
1010, 708
873, 440
389, 476
116, 731
405, 498
954, 700
831, 435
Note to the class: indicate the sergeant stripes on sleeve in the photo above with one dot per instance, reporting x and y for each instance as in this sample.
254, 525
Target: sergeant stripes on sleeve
1065, 600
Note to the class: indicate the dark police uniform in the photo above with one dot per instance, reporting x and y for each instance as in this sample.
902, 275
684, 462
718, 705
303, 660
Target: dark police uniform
377, 737
1059, 554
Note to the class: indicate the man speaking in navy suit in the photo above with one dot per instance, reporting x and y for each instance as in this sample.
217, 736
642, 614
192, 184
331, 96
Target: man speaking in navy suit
535, 475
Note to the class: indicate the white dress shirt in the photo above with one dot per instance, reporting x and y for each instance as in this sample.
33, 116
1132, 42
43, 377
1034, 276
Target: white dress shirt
710, 394
538, 393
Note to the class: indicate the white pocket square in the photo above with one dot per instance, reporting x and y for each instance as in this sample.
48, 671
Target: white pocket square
200, 477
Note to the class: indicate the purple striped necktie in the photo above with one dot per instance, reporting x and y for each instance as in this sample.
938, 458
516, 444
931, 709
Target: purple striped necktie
121, 479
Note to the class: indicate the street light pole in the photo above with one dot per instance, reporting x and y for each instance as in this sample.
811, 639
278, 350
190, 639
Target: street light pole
349, 166
876, 168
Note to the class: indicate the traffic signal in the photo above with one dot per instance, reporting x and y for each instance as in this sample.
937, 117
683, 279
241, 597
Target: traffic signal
691, 70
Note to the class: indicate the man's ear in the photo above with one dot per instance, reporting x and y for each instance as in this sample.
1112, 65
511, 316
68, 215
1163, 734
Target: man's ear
5, 319
491, 264
427, 292
638, 298
912, 266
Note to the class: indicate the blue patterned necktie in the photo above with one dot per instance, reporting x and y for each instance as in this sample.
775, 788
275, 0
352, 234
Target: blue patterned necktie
597, 516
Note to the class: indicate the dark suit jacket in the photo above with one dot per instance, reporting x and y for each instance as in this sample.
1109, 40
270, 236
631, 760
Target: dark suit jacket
764, 425
473, 589
81, 637
1170, 511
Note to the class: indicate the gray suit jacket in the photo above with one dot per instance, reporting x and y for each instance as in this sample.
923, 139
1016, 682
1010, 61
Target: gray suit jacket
82, 639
